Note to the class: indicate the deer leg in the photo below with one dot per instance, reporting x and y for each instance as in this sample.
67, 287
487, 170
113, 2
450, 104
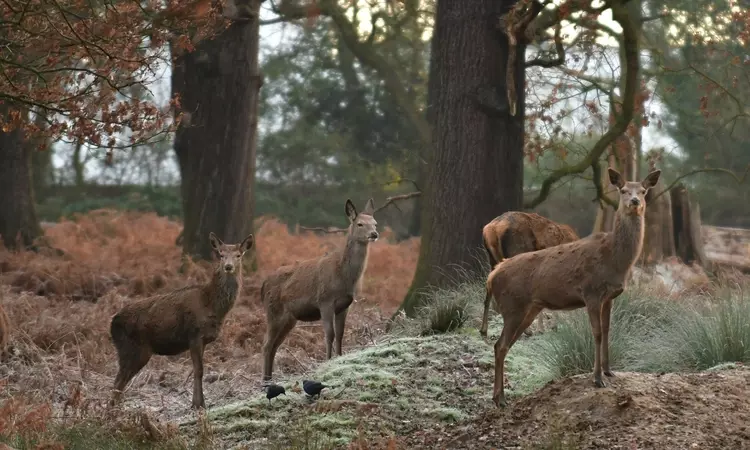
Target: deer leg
131, 360
605, 320
196, 354
486, 314
275, 334
328, 317
514, 324
338, 328
594, 311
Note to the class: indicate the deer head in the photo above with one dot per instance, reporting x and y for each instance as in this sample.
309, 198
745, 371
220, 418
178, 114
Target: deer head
633, 193
230, 255
363, 227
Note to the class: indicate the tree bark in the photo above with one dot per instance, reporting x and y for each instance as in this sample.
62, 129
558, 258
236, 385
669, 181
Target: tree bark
218, 85
476, 164
19, 226
687, 227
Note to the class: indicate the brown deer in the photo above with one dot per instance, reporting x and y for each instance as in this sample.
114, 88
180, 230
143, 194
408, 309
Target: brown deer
318, 289
185, 319
516, 232
590, 272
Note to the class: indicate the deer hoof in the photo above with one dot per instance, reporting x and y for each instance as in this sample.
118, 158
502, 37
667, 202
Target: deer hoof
599, 383
609, 373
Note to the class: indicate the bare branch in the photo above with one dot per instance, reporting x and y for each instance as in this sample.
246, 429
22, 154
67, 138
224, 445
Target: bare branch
397, 198
596, 168
559, 60
388, 201
737, 179
630, 45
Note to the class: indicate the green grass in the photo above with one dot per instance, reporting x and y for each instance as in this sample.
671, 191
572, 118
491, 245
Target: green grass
702, 336
570, 349
652, 334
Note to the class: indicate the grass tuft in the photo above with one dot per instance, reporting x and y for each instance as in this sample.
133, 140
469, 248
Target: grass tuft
702, 336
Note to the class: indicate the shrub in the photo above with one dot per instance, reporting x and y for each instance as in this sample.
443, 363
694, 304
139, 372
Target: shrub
448, 309
570, 349
702, 335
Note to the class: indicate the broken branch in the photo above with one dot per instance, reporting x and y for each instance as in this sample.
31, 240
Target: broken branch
388, 201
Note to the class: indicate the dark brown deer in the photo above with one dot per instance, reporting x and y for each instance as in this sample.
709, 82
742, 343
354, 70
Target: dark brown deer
181, 320
590, 272
318, 289
516, 232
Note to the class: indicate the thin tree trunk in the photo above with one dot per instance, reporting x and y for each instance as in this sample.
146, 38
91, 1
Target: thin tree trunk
218, 84
476, 165
19, 226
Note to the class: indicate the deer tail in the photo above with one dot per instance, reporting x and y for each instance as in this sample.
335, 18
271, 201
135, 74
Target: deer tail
487, 299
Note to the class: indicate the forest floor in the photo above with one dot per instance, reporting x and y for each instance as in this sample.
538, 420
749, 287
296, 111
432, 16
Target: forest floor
390, 391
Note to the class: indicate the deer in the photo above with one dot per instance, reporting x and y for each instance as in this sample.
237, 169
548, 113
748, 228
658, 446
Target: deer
516, 232
318, 289
588, 273
185, 319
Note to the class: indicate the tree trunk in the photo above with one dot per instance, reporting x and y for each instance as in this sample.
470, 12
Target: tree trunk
687, 228
605, 215
475, 169
19, 226
218, 85
658, 240
42, 171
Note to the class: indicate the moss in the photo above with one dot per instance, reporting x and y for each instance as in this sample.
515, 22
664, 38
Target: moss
445, 414
413, 382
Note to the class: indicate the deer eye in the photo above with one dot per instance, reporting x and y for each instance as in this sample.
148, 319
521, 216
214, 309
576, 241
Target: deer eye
360, 225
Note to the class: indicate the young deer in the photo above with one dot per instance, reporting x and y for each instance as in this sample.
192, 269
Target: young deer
590, 272
516, 232
185, 319
318, 289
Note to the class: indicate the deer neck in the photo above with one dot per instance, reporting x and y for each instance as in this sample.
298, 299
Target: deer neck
224, 289
627, 240
353, 261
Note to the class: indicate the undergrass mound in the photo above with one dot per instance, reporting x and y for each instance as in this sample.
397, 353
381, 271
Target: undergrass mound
396, 387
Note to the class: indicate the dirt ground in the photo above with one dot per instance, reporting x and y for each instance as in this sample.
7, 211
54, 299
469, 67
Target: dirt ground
635, 411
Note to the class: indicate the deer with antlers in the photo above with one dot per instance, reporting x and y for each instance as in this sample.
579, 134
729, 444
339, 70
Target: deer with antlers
318, 289
590, 272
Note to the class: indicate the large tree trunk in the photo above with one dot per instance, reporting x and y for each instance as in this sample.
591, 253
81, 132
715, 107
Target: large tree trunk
19, 226
218, 84
476, 166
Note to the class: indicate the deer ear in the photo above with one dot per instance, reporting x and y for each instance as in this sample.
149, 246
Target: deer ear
615, 178
247, 244
215, 242
369, 207
351, 211
651, 179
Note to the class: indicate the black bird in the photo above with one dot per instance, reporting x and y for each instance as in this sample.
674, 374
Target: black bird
313, 388
273, 391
